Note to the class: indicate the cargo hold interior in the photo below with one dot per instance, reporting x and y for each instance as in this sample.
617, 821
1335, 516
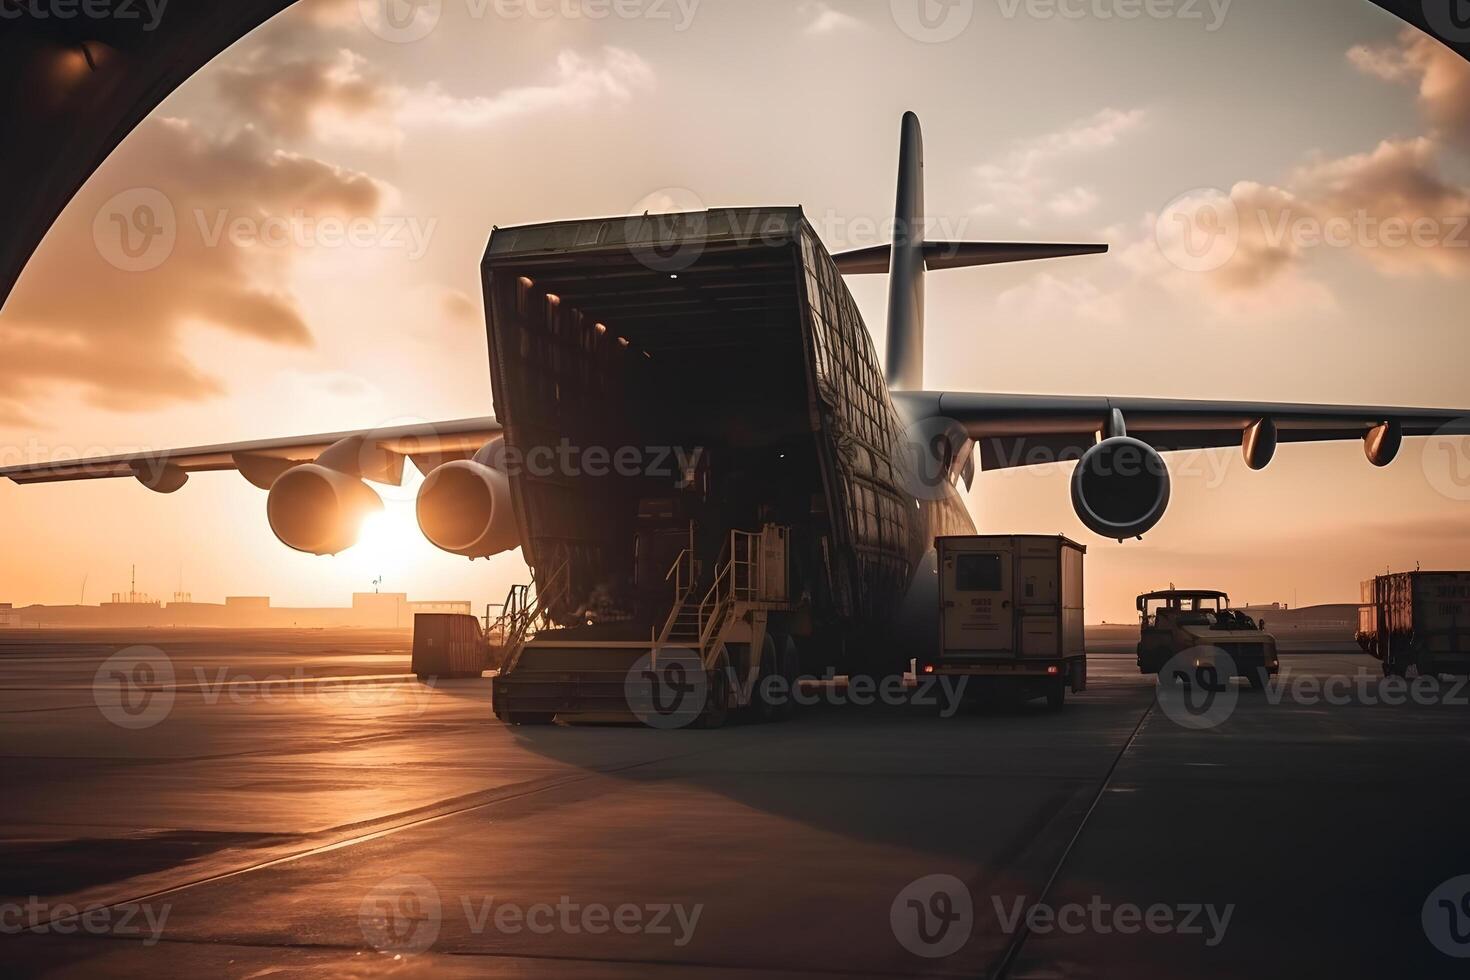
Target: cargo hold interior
695, 366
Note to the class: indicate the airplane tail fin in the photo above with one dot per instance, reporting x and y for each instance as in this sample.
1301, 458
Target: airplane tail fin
910, 256
905, 367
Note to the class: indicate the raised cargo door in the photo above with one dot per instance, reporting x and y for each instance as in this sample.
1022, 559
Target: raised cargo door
976, 600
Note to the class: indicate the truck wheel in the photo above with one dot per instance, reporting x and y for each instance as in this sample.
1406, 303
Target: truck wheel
1257, 678
1056, 694
519, 718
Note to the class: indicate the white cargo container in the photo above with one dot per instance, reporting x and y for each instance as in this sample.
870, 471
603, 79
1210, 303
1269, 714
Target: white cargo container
1010, 614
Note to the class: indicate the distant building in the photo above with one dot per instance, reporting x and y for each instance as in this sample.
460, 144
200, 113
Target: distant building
453, 606
370, 610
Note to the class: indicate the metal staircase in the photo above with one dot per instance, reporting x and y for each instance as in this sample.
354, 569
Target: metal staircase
746, 587
569, 672
524, 614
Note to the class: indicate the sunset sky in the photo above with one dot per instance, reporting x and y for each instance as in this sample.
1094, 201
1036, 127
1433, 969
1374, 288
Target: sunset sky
1037, 126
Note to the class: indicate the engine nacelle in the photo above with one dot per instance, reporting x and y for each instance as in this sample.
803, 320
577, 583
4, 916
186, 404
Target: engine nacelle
1120, 488
464, 508
319, 510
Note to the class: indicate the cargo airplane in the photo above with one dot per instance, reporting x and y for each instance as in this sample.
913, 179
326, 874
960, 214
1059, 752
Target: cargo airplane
822, 477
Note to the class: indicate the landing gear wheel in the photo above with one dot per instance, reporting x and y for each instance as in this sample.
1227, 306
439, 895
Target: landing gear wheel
521, 718
717, 698
1056, 694
779, 659
790, 666
768, 701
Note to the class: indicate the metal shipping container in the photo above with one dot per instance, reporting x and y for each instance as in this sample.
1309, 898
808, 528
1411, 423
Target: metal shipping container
1011, 609
1419, 619
448, 645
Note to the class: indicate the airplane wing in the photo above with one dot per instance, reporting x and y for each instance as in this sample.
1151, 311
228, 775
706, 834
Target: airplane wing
373, 454
1027, 430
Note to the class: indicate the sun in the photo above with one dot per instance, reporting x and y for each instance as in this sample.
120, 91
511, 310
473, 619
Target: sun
389, 544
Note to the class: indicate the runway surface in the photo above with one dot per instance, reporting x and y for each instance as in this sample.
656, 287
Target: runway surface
288, 804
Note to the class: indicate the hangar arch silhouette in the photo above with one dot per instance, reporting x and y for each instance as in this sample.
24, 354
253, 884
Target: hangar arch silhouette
74, 88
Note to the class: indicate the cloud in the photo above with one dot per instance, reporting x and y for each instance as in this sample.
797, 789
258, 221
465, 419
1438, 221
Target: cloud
1022, 179
616, 75
1442, 77
84, 314
297, 81
459, 306
1049, 297
826, 20
1259, 278
300, 95
1392, 206
1072, 202
1395, 207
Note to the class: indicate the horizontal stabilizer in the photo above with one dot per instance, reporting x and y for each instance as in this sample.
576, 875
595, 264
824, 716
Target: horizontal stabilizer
959, 255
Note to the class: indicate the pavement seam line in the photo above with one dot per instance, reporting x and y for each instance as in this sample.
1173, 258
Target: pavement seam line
1013, 949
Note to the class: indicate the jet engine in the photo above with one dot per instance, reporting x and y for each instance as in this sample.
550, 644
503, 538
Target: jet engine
464, 508
319, 510
1120, 488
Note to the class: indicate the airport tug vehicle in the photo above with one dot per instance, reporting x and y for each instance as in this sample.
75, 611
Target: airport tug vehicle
1419, 619
1214, 641
1010, 616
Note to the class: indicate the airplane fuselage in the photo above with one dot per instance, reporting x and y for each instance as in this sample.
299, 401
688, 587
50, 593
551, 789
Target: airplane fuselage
725, 342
